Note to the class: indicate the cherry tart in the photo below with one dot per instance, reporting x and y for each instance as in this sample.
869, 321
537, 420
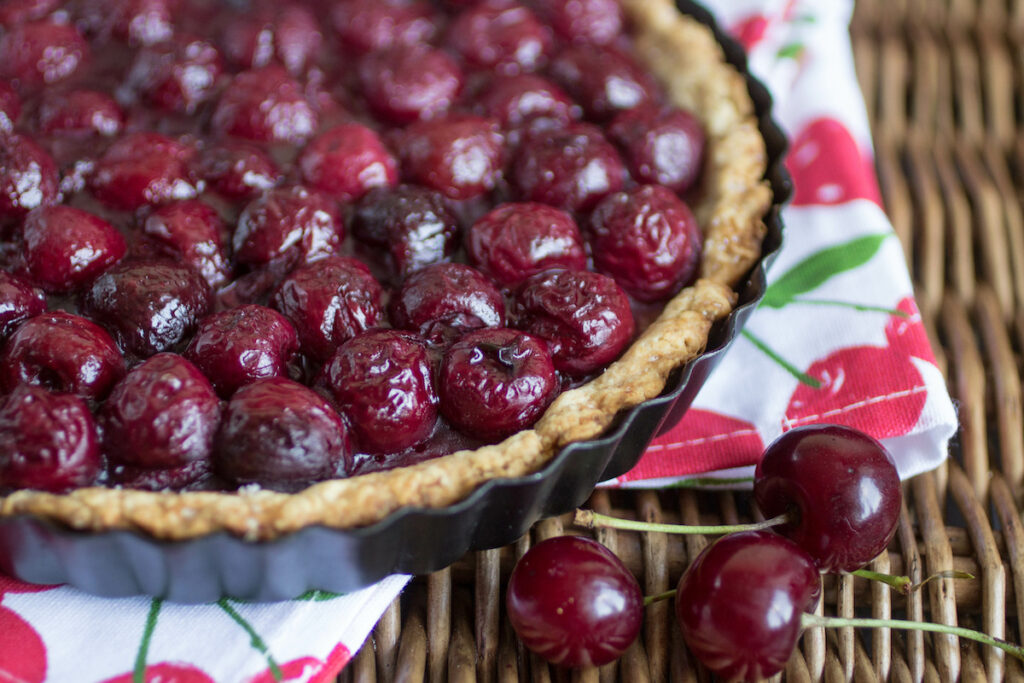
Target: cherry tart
265, 265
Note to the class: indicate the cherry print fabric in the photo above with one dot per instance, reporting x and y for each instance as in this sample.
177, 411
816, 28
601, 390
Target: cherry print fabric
838, 339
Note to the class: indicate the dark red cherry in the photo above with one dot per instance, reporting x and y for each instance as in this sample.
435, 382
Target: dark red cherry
445, 301
10, 105
61, 352
584, 316
138, 22
19, 301
517, 240
48, 441
518, 100
237, 170
28, 177
141, 169
80, 112
148, 306
572, 168
66, 248
841, 485
280, 435
241, 345
163, 414
158, 478
287, 222
502, 35
409, 82
41, 53
369, 25
382, 382
648, 240
604, 80
192, 232
346, 161
663, 145
739, 604
330, 301
19, 11
287, 34
459, 156
495, 382
266, 105
573, 602
178, 74
585, 21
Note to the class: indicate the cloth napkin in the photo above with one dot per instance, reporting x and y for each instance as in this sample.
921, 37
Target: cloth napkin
837, 339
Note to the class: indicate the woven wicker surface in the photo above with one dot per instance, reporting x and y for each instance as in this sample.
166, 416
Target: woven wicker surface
944, 84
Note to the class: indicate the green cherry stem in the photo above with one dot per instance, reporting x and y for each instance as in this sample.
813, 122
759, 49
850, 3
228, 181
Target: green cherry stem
849, 304
588, 519
802, 377
254, 638
139, 671
903, 584
651, 599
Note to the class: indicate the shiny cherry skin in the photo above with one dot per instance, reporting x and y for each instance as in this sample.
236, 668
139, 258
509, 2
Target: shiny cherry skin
495, 382
192, 232
604, 80
66, 248
597, 22
293, 223
843, 487
163, 414
241, 345
28, 177
739, 603
281, 435
287, 34
573, 602
382, 382
62, 352
10, 105
648, 240
265, 105
368, 25
445, 301
138, 22
19, 301
48, 441
80, 112
516, 101
406, 83
662, 145
517, 240
460, 156
500, 35
346, 161
237, 170
41, 53
142, 169
584, 316
330, 301
177, 75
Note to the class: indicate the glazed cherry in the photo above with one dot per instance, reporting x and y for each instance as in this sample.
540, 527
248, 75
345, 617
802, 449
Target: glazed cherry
604, 80
584, 316
139, 22
61, 352
148, 306
517, 240
241, 345
237, 170
19, 11
409, 82
178, 74
19, 301
573, 602
66, 248
459, 156
369, 25
41, 53
495, 382
445, 301
329, 302
48, 441
346, 161
740, 603
266, 105
414, 225
141, 169
572, 168
192, 232
281, 435
80, 112
663, 145
163, 414
585, 21
648, 240
517, 101
382, 382
292, 222
10, 105
288, 35
843, 487
28, 177
500, 35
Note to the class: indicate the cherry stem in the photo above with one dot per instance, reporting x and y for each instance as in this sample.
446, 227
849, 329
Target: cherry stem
902, 584
588, 519
813, 620
651, 599
707, 482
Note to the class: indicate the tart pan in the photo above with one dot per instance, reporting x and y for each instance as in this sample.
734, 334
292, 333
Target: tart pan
412, 540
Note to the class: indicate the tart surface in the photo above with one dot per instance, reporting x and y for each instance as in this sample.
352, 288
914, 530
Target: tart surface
683, 55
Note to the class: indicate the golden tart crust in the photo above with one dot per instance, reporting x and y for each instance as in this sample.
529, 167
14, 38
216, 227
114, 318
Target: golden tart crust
684, 55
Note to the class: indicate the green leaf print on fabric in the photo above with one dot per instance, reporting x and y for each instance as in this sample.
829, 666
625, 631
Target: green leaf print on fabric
819, 267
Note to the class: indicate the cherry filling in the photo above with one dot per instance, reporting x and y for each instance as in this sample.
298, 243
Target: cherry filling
446, 301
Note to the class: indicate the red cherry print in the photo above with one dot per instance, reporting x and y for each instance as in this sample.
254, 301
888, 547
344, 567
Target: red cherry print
907, 332
829, 168
750, 30
302, 669
9, 584
874, 389
702, 441
166, 672
22, 653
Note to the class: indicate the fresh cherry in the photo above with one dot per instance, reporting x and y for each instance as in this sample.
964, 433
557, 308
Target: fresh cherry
41, 53
241, 345
291, 222
47, 441
287, 34
266, 105
604, 80
573, 602
500, 35
66, 248
495, 382
459, 156
842, 488
346, 161
192, 232
368, 25
445, 301
19, 301
282, 435
383, 383
409, 82
663, 145
143, 168
80, 112
178, 74
517, 240
28, 177
598, 22
237, 170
